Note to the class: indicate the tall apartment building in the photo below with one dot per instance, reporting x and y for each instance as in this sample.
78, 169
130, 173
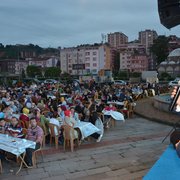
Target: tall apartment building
133, 62
87, 59
117, 39
146, 38
128, 53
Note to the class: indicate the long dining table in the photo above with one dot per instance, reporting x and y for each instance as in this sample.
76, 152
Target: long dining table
16, 146
86, 129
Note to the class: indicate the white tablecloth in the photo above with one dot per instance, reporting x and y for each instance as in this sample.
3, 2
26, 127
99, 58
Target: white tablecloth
114, 114
15, 146
116, 102
86, 128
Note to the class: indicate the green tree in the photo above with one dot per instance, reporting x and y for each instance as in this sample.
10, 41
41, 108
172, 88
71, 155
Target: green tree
33, 71
52, 72
116, 64
23, 74
135, 74
65, 76
121, 75
160, 49
165, 76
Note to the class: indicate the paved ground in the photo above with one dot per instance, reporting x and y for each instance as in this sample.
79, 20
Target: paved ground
126, 152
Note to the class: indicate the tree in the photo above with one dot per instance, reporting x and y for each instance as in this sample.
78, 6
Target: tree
160, 49
121, 75
23, 74
165, 76
33, 71
65, 76
116, 64
52, 72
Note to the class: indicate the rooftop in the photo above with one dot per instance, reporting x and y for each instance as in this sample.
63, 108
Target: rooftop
175, 53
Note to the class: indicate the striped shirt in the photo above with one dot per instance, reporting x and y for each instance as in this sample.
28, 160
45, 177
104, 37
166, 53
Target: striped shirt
15, 131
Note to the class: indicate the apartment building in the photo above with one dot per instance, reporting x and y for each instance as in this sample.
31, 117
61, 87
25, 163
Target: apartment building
133, 57
117, 39
146, 38
138, 63
86, 59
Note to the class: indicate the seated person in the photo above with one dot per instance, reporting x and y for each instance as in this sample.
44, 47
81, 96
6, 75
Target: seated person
86, 112
42, 121
14, 129
93, 117
70, 121
24, 115
34, 133
110, 108
3, 123
60, 113
74, 114
53, 120
99, 106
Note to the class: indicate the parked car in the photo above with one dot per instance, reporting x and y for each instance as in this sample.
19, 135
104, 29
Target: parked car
173, 83
119, 82
50, 81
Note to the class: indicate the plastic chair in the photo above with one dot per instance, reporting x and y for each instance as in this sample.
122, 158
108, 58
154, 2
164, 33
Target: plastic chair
130, 110
24, 131
34, 156
45, 133
54, 134
69, 136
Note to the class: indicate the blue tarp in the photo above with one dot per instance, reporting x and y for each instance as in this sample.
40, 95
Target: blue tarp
166, 168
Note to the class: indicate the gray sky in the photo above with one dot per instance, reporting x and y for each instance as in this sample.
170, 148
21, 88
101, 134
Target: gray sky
65, 23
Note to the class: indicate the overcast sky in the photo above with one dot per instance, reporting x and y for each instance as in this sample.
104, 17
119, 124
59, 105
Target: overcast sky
66, 23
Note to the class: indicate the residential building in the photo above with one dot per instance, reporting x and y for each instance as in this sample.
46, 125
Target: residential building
16, 66
117, 39
133, 57
44, 62
138, 63
133, 63
146, 38
86, 59
7, 66
174, 42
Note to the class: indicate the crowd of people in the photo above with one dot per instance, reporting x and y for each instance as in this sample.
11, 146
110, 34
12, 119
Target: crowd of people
33, 107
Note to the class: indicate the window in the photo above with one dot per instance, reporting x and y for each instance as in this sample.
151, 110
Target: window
94, 64
94, 53
87, 53
87, 64
87, 59
94, 58
94, 70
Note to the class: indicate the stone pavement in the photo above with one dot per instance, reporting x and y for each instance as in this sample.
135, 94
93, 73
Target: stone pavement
126, 151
